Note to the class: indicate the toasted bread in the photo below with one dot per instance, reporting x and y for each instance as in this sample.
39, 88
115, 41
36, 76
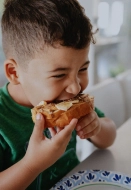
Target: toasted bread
60, 114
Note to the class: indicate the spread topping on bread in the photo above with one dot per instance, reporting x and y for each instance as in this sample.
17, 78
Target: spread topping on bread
64, 104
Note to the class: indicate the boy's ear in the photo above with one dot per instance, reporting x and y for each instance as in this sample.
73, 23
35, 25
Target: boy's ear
11, 71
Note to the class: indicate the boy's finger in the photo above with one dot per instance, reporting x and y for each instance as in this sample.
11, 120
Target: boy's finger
67, 131
69, 128
39, 127
59, 129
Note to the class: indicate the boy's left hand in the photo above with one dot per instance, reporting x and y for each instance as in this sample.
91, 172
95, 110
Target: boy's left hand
88, 126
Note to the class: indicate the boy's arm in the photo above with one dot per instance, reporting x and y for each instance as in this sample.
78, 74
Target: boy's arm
20, 175
106, 135
101, 131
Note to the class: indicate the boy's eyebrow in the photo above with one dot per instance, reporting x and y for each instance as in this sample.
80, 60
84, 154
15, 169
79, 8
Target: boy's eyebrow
63, 68
86, 63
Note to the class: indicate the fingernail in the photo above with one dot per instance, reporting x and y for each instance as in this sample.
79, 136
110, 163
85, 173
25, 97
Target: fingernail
38, 116
74, 121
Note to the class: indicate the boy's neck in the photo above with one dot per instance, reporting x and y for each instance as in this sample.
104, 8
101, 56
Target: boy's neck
18, 95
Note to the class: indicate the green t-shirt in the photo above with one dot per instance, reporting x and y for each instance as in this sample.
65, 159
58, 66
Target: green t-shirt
16, 127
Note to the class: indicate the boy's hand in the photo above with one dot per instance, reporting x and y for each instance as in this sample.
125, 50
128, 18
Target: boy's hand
43, 152
88, 126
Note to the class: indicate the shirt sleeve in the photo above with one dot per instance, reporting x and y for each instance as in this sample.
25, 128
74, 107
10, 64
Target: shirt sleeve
1, 153
99, 112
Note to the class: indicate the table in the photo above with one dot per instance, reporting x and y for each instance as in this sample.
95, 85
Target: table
115, 158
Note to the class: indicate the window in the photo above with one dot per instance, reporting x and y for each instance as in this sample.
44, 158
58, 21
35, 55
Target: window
110, 17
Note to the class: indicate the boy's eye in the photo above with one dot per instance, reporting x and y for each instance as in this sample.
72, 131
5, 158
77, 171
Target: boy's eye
59, 76
83, 69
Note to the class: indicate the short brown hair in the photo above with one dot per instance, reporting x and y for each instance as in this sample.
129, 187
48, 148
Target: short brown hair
27, 25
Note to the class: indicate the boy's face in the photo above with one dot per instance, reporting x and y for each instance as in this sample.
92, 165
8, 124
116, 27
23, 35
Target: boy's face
57, 74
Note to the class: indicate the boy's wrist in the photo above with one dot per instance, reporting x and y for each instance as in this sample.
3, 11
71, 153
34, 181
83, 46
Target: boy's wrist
30, 166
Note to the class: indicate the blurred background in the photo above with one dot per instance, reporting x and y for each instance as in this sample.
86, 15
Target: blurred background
111, 54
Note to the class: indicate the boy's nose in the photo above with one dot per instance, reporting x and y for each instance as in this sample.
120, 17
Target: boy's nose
73, 87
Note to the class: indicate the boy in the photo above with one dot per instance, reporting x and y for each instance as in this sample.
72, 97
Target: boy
46, 44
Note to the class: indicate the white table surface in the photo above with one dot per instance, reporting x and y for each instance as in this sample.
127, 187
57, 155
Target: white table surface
115, 158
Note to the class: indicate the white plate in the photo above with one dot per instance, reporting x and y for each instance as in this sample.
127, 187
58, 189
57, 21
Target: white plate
94, 180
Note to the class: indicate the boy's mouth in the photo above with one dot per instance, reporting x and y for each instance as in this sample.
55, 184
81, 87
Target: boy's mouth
57, 100
68, 99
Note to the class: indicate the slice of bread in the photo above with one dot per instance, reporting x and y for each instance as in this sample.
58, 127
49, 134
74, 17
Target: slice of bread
60, 114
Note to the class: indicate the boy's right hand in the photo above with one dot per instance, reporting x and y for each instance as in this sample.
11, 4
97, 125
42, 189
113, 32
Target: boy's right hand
43, 152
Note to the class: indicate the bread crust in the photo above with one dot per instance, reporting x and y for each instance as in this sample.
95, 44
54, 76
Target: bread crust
60, 118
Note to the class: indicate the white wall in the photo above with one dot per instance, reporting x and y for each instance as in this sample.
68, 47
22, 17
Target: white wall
89, 10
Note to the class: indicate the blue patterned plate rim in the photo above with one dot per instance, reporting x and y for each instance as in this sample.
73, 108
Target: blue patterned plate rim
93, 177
